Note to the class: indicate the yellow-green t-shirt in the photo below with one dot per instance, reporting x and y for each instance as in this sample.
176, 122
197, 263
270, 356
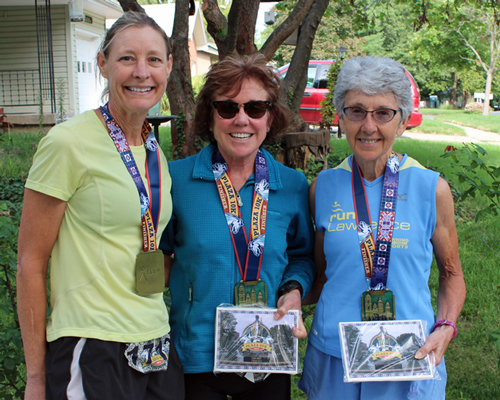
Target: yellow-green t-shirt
92, 273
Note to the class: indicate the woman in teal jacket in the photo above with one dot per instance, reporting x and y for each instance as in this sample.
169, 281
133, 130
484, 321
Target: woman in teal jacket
237, 111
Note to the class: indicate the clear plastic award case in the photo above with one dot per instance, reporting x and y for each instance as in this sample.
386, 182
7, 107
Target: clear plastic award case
384, 351
249, 339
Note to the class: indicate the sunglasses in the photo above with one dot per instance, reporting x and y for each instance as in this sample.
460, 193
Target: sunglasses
255, 109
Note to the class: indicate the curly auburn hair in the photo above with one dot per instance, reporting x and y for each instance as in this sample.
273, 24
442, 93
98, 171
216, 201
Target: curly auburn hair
226, 77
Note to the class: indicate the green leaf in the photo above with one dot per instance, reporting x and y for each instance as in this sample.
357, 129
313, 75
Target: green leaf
9, 363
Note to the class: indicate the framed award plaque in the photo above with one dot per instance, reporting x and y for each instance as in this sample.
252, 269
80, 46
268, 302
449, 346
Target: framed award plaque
249, 339
384, 351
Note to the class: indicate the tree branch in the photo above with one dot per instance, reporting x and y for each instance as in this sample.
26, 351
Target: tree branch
282, 32
131, 5
479, 59
179, 89
216, 24
246, 33
233, 26
292, 87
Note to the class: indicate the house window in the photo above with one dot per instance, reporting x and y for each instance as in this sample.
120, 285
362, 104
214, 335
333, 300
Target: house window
83, 66
89, 68
78, 64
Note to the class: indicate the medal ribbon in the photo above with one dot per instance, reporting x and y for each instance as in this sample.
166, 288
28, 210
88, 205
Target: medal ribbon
150, 210
376, 255
248, 252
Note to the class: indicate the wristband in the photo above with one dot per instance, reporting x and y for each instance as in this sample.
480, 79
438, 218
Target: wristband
288, 287
445, 322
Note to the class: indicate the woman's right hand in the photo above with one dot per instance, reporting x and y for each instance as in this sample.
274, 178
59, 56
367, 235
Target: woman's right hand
40, 222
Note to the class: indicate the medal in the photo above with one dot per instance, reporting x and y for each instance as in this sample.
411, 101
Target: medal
149, 272
378, 305
250, 293
149, 263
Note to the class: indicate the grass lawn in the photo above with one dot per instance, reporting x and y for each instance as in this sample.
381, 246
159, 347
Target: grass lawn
473, 373
488, 123
438, 111
434, 127
472, 362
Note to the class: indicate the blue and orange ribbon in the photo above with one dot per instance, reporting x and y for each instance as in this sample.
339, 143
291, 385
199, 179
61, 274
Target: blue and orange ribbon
376, 255
248, 252
150, 210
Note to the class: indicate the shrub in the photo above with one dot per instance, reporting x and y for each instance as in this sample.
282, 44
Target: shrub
328, 112
448, 106
468, 159
474, 108
12, 365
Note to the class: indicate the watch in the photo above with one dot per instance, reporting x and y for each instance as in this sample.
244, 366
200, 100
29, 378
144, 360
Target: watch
288, 287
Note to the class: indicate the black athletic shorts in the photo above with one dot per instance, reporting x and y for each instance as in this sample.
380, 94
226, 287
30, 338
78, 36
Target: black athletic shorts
208, 386
98, 370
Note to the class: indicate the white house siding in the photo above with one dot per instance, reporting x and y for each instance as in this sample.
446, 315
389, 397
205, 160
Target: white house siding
73, 72
204, 61
18, 51
60, 20
87, 38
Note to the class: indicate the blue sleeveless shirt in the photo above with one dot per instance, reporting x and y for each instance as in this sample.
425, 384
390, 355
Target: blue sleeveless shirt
411, 254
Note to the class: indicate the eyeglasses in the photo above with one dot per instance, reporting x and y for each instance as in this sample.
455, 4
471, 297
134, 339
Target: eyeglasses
380, 115
255, 109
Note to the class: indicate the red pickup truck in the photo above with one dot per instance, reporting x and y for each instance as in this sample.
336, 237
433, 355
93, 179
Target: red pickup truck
310, 109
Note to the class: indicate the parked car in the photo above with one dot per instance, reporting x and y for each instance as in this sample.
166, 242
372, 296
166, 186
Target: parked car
315, 92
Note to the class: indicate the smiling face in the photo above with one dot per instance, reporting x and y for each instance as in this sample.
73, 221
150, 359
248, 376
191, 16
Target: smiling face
372, 141
137, 68
239, 138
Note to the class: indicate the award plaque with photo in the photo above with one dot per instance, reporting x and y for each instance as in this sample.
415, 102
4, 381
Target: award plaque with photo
249, 339
384, 351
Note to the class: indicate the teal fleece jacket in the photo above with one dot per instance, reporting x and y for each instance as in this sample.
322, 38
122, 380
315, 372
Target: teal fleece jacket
205, 271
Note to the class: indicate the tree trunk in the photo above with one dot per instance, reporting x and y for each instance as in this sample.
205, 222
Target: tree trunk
179, 89
236, 34
131, 5
487, 91
244, 24
453, 99
465, 97
294, 84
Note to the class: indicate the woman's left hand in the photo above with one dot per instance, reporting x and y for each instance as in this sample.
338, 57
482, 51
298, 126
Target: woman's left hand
291, 301
436, 343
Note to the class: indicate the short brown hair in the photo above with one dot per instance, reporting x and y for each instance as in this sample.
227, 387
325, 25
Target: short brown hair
226, 77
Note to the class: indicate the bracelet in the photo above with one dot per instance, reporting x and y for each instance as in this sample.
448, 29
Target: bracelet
445, 322
288, 287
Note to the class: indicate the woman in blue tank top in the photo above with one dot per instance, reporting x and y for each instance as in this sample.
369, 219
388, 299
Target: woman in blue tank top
363, 246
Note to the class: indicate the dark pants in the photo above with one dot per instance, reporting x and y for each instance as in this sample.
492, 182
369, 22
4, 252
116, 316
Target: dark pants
208, 386
106, 375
